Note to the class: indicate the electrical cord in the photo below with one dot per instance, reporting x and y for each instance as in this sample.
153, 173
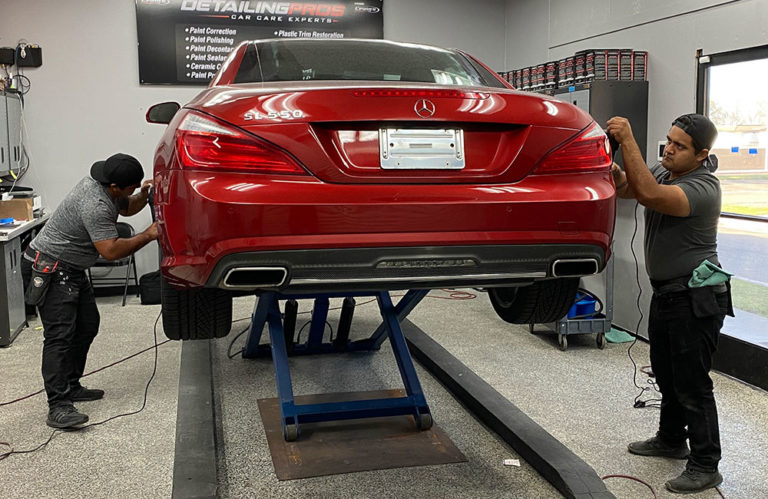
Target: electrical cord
229, 348
298, 336
651, 402
21, 166
88, 373
248, 327
231, 343
21, 78
629, 477
90, 425
651, 381
655, 496
21, 48
453, 294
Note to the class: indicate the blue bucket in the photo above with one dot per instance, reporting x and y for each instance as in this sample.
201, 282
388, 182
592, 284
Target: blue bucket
583, 307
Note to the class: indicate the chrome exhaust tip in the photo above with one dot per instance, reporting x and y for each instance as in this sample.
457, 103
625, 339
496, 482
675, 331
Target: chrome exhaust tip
574, 267
254, 277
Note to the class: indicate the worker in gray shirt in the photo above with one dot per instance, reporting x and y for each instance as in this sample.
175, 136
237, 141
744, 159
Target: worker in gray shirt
682, 208
82, 228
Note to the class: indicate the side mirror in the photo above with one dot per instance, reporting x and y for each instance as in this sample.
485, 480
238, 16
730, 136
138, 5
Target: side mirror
162, 113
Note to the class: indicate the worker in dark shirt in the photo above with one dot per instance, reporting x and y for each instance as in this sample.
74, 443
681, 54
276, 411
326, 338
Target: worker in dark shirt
682, 207
82, 228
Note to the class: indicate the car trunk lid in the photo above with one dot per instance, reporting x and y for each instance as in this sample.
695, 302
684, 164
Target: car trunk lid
359, 132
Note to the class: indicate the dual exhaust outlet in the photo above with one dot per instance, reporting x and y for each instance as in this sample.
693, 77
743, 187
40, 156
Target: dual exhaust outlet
254, 277
574, 267
272, 277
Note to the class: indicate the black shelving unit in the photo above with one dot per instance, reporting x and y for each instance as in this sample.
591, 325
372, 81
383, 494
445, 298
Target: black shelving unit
604, 99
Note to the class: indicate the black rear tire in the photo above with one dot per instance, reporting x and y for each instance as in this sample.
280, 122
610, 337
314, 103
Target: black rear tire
539, 303
195, 314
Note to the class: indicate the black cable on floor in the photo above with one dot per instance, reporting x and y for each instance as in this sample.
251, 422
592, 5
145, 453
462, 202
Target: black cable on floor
652, 402
81, 428
298, 336
629, 477
452, 295
229, 348
87, 374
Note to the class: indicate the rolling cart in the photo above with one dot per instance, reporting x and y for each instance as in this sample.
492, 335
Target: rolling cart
598, 323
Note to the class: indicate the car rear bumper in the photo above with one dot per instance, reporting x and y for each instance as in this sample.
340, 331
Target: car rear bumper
298, 234
355, 269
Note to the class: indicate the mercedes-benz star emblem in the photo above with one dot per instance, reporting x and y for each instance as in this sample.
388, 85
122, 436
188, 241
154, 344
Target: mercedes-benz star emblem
424, 108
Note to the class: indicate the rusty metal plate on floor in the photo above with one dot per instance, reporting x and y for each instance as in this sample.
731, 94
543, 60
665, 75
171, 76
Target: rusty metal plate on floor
336, 447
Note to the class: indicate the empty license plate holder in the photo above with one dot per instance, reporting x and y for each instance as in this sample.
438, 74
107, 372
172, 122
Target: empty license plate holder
421, 149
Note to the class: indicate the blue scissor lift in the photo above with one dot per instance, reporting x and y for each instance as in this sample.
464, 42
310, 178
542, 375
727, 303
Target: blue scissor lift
282, 345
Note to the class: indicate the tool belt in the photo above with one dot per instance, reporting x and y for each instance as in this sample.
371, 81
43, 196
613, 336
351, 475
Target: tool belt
661, 288
704, 299
43, 268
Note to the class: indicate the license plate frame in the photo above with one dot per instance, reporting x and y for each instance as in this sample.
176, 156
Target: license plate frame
421, 148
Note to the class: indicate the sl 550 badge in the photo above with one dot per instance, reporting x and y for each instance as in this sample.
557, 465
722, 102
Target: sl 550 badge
274, 115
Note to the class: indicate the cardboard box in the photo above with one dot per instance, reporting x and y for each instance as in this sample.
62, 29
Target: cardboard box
18, 209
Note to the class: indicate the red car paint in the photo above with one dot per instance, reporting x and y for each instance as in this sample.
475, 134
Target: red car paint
317, 182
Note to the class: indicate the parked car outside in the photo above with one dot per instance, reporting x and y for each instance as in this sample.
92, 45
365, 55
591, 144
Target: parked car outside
341, 165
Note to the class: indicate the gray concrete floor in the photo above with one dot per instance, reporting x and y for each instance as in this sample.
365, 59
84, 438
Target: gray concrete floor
130, 456
582, 396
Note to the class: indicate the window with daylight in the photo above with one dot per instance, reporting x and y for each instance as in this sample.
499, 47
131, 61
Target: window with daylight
732, 92
737, 102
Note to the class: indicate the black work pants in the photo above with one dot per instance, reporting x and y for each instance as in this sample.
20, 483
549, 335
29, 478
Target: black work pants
70, 321
682, 345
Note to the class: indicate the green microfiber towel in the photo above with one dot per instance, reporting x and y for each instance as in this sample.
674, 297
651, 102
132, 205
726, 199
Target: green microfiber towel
708, 274
616, 336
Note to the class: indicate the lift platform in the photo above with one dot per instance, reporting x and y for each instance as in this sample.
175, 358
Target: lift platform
283, 343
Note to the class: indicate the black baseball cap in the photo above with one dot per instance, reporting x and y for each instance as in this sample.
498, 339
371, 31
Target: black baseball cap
702, 131
120, 169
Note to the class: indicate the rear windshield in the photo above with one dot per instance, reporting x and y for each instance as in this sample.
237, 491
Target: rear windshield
297, 60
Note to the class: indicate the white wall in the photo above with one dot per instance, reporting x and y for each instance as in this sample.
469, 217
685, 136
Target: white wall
527, 33
475, 26
85, 102
671, 32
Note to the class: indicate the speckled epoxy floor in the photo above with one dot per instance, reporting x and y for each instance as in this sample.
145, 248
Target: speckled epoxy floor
240, 382
129, 456
582, 396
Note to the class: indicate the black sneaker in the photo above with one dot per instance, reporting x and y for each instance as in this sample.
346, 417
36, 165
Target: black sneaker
83, 394
656, 447
65, 416
692, 481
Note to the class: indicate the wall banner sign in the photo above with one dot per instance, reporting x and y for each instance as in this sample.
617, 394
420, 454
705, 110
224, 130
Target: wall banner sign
185, 41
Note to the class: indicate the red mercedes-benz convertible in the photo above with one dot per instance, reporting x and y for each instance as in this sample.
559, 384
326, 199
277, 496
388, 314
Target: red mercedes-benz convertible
342, 165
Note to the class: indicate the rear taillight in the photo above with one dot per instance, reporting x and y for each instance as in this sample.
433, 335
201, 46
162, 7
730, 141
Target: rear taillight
590, 151
204, 142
